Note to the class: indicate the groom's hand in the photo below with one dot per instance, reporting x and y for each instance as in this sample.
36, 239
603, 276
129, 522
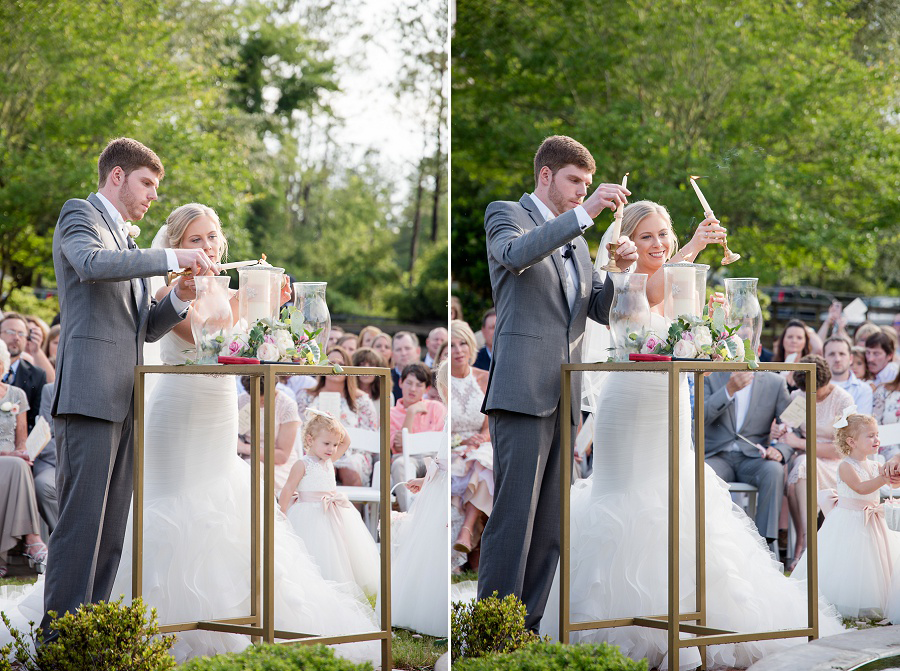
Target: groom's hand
196, 260
605, 196
626, 253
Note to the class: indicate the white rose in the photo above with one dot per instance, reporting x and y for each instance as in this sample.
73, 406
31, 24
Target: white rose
283, 341
134, 231
267, 352
702, 336
684, 349
6, 407
739, 344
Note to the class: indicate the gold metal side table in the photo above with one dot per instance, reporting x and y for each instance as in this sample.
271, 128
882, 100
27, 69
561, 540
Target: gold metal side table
259, 624
673, 621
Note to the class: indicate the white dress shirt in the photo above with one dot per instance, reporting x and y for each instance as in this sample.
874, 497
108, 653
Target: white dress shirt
172, 261
741, 400
585, 221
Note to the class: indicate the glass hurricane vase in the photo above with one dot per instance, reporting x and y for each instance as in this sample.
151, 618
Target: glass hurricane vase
629, 313
685, 291
312, 312
211, 316
742, 309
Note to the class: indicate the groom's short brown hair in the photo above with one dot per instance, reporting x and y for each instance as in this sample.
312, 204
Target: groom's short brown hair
558, 151
130, 155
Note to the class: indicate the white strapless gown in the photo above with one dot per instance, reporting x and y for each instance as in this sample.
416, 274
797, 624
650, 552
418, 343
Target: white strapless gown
197, 530
619, 527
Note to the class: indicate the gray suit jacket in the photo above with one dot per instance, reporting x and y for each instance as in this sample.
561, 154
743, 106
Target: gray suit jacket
768, 398
103, 330
535, 331
47, 458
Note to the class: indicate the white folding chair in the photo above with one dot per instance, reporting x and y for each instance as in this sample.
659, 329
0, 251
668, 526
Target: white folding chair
369, 496
424, 443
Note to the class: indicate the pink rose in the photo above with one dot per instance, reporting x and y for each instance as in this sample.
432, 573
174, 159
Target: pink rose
269, 339
234, 347
687, 335
650, 343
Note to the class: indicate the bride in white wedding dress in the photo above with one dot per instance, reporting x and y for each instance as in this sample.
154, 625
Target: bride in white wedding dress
197, 512
619, 516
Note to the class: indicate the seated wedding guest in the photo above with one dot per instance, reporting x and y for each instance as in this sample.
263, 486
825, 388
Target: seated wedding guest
38, 332
352, 407
488, 323
51, 344
835, 323
414, 412
891, 333
333, 531
838, 354
381, 343
859, 367
830, 403
436, 338
19, 520
740, 409
370, 384
887, 411
472, 458
792, 344
367, 335
863, 331
879, 357
287, 425
333, 336
27, 377
404, 351
349, 342
455, 308
44, 467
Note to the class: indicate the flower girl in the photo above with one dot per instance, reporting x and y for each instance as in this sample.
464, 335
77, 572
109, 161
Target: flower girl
329, 525
856, 549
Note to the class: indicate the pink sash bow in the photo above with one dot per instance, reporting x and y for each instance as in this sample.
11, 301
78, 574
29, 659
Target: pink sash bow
331, 502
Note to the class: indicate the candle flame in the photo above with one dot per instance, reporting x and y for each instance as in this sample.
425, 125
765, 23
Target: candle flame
262, 257
696, 177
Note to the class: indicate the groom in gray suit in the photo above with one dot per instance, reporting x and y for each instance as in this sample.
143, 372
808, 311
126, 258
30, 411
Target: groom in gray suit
545, 288
739, 410
106, 316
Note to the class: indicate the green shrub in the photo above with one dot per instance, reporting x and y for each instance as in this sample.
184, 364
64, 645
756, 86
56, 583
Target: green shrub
281, 657
555, 657
96, 636
488, 626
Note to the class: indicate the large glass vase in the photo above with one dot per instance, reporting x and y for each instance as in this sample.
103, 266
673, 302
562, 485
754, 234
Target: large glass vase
742, 308
685, 289
629, 314
312, 312
211, 316
259, 293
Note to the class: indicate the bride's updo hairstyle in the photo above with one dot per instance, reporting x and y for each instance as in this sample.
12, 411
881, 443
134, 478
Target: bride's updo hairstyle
856, 424
317, 422
181, 217
636, 212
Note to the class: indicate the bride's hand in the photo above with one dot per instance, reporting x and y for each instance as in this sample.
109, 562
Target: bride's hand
626, 254
716, 297
709, 232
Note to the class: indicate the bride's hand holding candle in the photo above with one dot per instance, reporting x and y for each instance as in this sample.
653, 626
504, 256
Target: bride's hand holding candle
626, 253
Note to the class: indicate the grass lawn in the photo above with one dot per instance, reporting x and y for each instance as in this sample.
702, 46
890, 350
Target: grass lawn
416, 652
463, 577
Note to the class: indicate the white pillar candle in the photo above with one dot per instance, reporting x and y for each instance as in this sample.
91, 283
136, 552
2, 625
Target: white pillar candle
617, 222
684, 292
259, 301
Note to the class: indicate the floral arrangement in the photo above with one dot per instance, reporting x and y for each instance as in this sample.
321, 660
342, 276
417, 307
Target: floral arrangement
274, 340
11, 408
705, 337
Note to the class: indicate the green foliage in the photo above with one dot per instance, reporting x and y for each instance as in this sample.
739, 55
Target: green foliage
782, 108
425, 298
555, 657
25, 302
276, 658
97, 636
488, 626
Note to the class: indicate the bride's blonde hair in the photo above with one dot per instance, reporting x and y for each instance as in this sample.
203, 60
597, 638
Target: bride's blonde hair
182, 217
636, 212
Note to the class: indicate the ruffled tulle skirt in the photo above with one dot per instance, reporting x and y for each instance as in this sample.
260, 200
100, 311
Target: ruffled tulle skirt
619, 549
420, 565
339, 543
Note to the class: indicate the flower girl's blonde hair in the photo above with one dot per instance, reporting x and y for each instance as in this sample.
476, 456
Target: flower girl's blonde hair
317, 422
855, 423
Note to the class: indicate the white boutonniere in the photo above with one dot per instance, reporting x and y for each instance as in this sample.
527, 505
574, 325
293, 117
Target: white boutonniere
133, 231
12, 408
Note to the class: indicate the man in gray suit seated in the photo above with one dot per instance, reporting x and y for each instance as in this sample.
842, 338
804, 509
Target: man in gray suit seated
740, 409
545, 288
